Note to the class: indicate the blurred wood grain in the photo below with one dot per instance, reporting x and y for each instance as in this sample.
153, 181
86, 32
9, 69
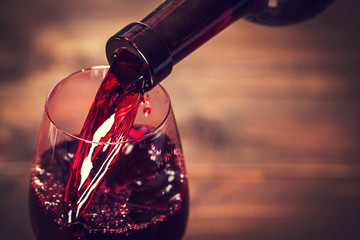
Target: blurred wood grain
269, 120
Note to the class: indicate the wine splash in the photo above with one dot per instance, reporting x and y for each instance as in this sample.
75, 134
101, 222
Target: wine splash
144, 194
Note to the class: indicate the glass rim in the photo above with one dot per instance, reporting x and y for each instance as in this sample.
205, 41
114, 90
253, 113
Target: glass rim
153, 131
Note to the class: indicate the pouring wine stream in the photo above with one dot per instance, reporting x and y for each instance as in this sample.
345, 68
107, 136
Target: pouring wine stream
109, 121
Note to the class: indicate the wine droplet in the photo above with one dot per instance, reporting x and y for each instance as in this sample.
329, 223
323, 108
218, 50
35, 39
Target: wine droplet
147, 111
147, 107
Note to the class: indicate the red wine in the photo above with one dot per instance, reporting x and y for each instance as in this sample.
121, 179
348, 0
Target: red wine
106, 186
144, 195
109, 120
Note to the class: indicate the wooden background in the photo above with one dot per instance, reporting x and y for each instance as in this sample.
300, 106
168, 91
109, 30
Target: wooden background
269, 117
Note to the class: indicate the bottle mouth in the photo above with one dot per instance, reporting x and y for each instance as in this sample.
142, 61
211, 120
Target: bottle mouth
130, 71
54, 100
142, 41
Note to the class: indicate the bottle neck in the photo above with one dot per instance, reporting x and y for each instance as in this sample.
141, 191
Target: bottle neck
185, 25
174, 30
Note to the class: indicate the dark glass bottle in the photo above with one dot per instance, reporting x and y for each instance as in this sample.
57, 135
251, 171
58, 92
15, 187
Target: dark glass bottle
177, 27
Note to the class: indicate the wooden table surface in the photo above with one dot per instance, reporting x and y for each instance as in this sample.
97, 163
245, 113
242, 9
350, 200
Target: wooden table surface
268, 117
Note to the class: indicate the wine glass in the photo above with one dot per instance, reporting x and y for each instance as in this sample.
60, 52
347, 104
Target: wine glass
144, 195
